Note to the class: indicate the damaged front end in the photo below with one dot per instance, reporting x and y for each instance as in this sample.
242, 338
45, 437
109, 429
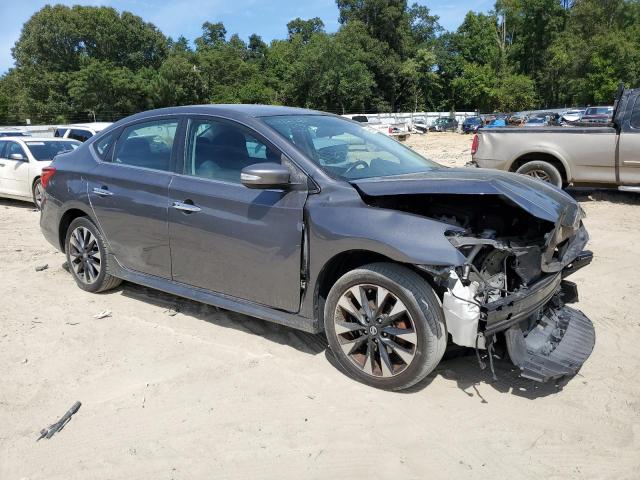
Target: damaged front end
516, 285
518, 247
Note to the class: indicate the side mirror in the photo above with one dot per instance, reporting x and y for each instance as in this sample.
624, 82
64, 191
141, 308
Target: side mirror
265, 175
17, 156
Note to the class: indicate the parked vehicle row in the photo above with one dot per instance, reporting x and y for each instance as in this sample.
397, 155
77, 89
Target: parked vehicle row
399, 130
316, 222
13, 132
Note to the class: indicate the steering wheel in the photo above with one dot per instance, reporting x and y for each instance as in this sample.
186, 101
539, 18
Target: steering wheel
359, 163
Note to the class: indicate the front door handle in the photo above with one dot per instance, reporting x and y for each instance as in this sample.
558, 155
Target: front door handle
186, 207
103, 192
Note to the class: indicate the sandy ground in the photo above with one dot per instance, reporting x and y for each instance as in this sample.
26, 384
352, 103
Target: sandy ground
209, 394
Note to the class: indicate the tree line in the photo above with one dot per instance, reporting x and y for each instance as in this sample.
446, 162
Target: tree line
83, 63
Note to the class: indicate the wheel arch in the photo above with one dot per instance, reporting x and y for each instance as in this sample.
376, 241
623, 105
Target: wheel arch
65, 220
552, 158
344, 262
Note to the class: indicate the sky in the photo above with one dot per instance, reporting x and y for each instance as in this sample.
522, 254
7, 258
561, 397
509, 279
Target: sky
267, 18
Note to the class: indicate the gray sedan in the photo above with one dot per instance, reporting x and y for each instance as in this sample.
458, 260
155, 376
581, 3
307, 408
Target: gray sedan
311, 221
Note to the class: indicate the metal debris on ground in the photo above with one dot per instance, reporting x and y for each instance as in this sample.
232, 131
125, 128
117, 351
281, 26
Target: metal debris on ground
59, 425
40, 268
102, 314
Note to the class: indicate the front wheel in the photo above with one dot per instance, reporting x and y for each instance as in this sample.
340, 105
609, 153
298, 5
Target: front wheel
87, 257
385, 326
543, 171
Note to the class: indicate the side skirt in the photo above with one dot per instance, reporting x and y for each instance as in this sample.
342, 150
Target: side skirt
216, 299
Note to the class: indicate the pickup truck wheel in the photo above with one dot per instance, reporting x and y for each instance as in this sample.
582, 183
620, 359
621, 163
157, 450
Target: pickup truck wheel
385, 326
87, 257
542, 171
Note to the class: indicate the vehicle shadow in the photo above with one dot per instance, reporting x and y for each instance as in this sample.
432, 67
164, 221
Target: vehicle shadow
604, 195
22, 204
459, 364
312, 344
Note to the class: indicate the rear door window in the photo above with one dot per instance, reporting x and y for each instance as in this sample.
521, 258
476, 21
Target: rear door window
635, 114
3, 144
80, 135
104, 146
147, 145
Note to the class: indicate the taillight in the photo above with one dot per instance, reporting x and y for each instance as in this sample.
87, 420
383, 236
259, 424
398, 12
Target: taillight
45, 176
390, 130
474, 145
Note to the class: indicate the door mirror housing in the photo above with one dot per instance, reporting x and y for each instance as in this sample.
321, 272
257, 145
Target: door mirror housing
17, 156
265, 175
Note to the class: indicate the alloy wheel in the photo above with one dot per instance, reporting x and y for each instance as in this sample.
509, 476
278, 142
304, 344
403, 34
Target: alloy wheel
375, 330
86, 260
540, 175
38, 194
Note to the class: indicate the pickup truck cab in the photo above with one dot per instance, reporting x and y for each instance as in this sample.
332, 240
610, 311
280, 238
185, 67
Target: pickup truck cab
606, 156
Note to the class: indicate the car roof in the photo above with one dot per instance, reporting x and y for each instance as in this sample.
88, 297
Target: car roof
97, 126
237, 111
37, 139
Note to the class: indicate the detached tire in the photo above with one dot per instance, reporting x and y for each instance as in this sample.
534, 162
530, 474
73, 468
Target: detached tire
385, 326
87, 257
543, 171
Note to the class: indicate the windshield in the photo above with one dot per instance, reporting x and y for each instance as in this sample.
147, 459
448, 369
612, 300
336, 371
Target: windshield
46, 150
472, 120
347, 150
535, 120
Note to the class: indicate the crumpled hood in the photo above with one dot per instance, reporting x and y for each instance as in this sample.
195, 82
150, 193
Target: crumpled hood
538, 198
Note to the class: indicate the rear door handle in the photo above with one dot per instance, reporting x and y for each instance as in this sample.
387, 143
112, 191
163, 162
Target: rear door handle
186, 207
103, 192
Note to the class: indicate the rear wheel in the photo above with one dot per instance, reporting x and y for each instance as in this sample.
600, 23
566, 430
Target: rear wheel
385, 326
87, 258
38, 193
543, 171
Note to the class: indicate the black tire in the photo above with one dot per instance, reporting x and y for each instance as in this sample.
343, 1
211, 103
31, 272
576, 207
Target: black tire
543, 171
101, 281
37, 184
421, 304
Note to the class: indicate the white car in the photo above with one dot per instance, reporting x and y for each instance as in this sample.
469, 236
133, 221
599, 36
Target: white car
80, 131
21, 162
572, 115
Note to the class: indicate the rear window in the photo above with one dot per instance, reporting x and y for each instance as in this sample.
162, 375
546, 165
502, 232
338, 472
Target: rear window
635, 114
80, 135
46, 150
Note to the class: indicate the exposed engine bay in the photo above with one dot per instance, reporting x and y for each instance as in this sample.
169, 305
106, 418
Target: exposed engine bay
512, 279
